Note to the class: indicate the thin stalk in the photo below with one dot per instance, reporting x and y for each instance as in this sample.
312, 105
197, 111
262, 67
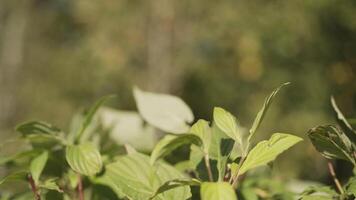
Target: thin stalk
208, 167
333, 174
234, 178
80, 188
33, 187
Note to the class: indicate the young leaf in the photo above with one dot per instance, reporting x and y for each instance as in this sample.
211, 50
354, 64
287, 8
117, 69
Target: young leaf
217, 191
37, 127
343, 123
50, 184
171, 184
331, 143
88, 117
267, 150
201, 128
84, 159
166, 112
37, 165
227, 123
170, 143
262, 112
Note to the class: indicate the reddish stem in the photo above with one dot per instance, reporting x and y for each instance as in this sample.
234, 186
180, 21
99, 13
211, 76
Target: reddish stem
80, 188
33, 187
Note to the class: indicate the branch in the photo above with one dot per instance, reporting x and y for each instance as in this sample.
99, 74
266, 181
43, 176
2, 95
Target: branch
333, 174
80, 188
208, 167
33, 187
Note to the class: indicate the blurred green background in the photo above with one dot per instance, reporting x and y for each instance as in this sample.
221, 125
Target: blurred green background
57, 56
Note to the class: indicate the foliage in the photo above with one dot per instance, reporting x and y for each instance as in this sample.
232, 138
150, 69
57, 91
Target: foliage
78, 163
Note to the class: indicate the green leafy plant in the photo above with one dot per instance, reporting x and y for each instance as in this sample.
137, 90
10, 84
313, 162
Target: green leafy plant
86, 163
334, 142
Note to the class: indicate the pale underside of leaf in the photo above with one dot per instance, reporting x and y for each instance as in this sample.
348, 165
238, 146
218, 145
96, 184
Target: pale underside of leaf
166, 112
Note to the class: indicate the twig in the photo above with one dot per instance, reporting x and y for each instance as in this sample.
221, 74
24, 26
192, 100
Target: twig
333, 174
80, 188
208, 167
234, 178
33, 187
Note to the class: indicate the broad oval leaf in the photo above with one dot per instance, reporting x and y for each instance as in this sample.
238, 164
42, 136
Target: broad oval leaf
37, 165
132, 176
166, 112
84, 158
217, 191
227, 123
267, 150
170, 143
263, 110
331, 143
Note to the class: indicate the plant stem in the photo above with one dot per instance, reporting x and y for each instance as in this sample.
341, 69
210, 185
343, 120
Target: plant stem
80, 188
333, 174
208, 167
33, 187
234, 178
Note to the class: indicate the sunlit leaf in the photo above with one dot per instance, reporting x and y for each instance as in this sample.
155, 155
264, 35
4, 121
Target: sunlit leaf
267, 150
217, 191
133, 176
84, 158
166, 112
227, 123
263, 111
37, 165
171, 142
201, 128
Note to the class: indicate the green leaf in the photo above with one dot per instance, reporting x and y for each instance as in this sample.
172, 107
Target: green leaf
25, 155
170, 143
88, 117
50, 184
171, 184
267, 150
343, 123
227, 123
201, 128
331, 143
84, 158
133, 176
37, 127
166, 112
261, 114
22, 175
217, 191
37, 165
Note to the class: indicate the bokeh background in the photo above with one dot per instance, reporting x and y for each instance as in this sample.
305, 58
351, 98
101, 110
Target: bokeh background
57, 56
